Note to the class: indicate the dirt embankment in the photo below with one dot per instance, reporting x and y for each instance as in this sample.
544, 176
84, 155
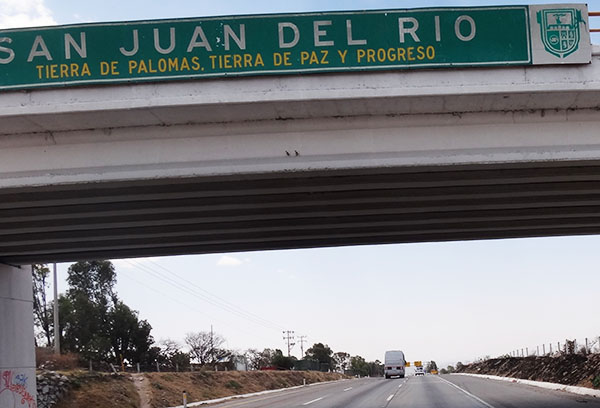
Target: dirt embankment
159, 390
96, 390
570, 369
167, 388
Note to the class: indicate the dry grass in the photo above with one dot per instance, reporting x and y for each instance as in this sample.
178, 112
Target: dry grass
167, 388
100, 391
97, 390
45, 358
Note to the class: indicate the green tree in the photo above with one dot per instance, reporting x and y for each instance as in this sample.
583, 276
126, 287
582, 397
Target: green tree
376, 368
95, 280
259, 359
88, 301
84, 326
153, 356
95, 323
130, 338
169, 354
282, 362
180, 359
41, 306
341, 361
431, 366
359, 366
322, 353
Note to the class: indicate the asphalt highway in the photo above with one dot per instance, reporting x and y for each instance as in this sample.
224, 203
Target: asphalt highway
416, 392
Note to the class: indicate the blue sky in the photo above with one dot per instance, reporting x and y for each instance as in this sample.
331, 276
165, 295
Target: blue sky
71, 11
441, 301
76, 11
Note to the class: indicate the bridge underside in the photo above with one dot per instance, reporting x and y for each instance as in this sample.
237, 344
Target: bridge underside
298, 210
297, 162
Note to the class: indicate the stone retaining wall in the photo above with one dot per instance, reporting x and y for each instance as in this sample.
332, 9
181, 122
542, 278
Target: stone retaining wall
51, 387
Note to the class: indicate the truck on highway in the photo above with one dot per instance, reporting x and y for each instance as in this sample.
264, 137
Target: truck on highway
394, 364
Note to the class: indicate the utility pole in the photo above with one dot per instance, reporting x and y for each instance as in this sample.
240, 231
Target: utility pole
212, 349
302, 341
289, 336
56, 325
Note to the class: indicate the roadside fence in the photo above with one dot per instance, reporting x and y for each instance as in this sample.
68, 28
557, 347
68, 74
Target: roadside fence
587, 345
156, 367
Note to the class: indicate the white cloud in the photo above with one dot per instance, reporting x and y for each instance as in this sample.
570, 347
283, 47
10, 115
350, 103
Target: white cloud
24, 13
227, 260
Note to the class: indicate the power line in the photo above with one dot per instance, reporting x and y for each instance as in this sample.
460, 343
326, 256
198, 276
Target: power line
187, 289
193, 292
160, 292
219, 299
191, 307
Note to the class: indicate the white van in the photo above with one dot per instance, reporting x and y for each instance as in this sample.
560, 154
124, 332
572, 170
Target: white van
394, 364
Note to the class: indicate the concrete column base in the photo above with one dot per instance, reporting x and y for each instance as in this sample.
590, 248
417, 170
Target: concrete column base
17, 351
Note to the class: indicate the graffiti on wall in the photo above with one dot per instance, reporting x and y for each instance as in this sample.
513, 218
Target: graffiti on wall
15, 387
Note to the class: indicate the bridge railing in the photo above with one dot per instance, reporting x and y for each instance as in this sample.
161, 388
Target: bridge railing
594, 14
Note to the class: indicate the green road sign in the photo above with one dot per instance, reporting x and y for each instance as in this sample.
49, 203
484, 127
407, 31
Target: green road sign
293, 44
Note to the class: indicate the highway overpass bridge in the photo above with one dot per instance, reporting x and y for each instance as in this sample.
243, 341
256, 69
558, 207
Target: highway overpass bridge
304, 161
289, 161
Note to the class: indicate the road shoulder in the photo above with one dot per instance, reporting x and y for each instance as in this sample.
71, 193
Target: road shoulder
588, 392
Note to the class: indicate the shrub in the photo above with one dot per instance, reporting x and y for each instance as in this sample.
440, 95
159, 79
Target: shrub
234, 385
596, 381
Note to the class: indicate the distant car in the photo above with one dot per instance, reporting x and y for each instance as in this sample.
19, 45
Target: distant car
419, 371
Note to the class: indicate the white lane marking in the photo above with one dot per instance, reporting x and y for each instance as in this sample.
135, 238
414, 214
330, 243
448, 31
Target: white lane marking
400, 386
390, 398
549, 386
287, 391
315, 400
348, 389
476, 398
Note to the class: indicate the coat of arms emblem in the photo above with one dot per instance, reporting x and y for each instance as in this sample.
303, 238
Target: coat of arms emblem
560, 30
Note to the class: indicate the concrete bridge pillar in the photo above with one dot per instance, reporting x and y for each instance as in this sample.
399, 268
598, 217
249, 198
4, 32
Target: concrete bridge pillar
17, 352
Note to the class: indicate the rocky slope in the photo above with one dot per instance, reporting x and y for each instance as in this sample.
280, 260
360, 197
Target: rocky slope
568, 369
